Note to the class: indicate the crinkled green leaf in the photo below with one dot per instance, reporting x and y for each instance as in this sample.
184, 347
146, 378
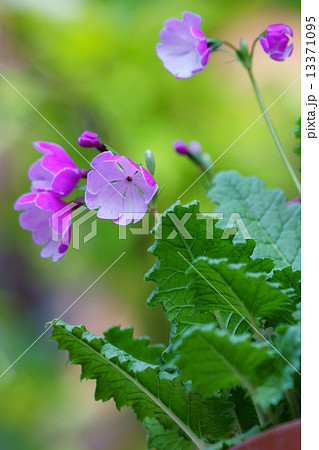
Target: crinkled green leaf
219, 285
146, 388
288, 343
235, 323
270, 222
159, 438
228, 443
214, 360
171, 269
139, 347
289, 282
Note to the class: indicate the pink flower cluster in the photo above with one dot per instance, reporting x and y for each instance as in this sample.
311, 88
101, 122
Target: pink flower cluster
116, 186
185, 50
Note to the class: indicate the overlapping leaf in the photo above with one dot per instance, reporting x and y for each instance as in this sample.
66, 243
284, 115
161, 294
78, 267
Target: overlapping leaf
160, 438
270, 222
214, 360
289, 282
175, 252
219, 285
139, 348
287, 370
149, 390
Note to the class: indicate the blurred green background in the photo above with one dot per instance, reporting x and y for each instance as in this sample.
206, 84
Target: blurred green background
91, 64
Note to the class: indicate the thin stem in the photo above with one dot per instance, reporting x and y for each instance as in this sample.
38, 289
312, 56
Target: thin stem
255, 42
220, 320
293, 404
153, 210
237, 423
230, 45
272, 130
254, 45
260, 414
272, 416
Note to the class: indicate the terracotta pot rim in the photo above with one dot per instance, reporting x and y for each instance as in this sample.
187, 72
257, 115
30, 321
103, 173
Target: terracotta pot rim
269, 434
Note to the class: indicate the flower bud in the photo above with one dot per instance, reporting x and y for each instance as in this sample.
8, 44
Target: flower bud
275, 42
150, 161
88, 139
181, 147
195, 147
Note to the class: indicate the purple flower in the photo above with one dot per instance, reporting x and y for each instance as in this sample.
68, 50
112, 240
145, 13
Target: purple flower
88, 139
296, 200
120, 189
49, 219
55, 171
276, 40
183, 149
184, 46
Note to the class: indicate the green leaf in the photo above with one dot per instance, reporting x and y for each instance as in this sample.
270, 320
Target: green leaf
288, 343
219, 285
139, 347
244, 407
228, 443
162, 439
289, 282
297, 133
171, 269
214, 360
234, 323
270, 222
146, 388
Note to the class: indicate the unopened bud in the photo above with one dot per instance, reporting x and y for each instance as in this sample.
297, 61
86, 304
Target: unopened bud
88, 139
181, 147
195, 147
150, 161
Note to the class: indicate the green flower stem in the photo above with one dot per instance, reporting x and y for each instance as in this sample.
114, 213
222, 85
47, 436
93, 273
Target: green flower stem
293, 404
220, 321
253, 46
230, 46
272, 130
260, 414
153, 210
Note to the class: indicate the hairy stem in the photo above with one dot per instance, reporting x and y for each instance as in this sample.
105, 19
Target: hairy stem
272, 130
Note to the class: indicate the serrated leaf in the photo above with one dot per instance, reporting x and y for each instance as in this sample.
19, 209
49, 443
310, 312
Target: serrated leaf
139, 348
219, 285
160, 438
214, 360
228, 443
289, 282
171, 270
146, 388
288, 342
270, 222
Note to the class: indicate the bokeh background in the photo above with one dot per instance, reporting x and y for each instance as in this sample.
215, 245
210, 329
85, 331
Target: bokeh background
91, 64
